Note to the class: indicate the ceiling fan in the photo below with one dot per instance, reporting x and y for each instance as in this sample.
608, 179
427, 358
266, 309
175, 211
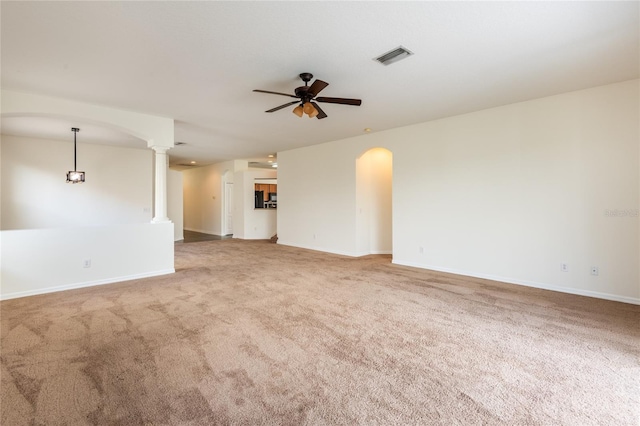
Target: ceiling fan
306, 96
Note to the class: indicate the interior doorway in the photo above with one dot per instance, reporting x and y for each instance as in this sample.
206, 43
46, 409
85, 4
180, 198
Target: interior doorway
228, 206
374, 177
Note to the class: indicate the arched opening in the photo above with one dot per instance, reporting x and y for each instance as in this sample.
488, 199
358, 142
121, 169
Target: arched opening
56, 127
374, 176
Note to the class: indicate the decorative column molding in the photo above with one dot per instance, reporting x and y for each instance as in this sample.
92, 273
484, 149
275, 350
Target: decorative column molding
160, 211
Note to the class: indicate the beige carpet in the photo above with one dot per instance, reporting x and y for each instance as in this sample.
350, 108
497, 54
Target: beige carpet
252, 333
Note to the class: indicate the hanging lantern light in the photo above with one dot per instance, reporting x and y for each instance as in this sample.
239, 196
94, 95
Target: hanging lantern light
75, 176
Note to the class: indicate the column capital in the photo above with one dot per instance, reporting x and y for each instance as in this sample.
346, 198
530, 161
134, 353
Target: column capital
160, 149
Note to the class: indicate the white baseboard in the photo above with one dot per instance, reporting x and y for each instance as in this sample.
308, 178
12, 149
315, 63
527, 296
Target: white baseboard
579, 292
350, 254
360, 254
202, 231
18, 294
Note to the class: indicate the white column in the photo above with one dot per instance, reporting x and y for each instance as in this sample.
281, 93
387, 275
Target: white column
160, 215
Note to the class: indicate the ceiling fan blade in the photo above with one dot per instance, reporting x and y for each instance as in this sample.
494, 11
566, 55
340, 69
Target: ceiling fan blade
274, 93
317, 87
321, 113
282, 106
343, 101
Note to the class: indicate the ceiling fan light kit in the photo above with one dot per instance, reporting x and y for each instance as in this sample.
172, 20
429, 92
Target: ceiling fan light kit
306, 95
309, 109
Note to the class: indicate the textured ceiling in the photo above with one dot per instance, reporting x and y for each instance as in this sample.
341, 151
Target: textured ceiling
197, 62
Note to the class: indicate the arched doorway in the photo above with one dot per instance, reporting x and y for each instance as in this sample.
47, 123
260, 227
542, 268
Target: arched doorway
374, 176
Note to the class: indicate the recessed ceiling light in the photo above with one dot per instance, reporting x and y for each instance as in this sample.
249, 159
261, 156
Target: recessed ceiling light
367, 130
274, 165
193, 162
271, 156
270, 161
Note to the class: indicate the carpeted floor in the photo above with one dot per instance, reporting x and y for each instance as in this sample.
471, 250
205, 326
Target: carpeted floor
252, 333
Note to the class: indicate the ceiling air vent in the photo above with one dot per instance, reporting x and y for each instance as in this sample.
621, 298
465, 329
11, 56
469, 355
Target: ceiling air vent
262, 165
180, 143
186, 165
394, 55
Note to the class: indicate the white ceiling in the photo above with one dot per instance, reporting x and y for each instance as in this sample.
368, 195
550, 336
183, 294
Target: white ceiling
197, 62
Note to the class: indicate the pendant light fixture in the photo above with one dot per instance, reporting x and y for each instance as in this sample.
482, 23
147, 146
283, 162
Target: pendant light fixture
75, 176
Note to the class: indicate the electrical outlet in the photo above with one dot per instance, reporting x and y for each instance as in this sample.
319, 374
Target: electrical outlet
564, 267
421, 250
86, 263
314, 236
595, 270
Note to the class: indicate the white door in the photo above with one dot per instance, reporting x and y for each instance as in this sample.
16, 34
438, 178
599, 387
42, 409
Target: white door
228, 208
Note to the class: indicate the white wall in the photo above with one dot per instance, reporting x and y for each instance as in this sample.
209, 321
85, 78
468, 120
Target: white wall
118, 187
44, 260
507, 193
316, 197
251, 223
175, 203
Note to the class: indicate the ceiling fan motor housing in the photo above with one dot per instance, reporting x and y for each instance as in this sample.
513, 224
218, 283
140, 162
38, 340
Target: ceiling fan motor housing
301, 92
